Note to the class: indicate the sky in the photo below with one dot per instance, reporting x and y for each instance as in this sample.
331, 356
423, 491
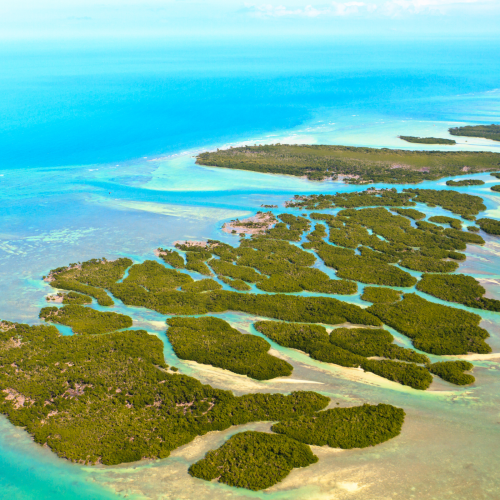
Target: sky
151, 18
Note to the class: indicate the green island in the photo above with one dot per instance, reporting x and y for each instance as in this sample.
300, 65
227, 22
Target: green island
356, 165
427, 140
490, 226
457, 288
465, 182
434, 328
253, 460
212, 341
341, 349
258, 460
346, 428
109, 398
495, 188
442, 219
491, 132
453, 371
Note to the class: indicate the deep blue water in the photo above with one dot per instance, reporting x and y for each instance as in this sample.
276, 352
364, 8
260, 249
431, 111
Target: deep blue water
77, 120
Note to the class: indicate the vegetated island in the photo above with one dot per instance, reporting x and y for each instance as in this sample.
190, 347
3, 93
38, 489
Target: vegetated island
58, 387
427, 140
354, 165
491, 132
258, 460
465, 182
110, 398
257, 224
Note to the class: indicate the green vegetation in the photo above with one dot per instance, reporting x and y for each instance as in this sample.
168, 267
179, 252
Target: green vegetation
172, 257
281, 232
454, 201
491, 132
90, 277
84, 320
458, 203
95, 272
356, 199
362, 268
296, 223
312, 280
151, 276
409, 212
235, 271
212, 341
237, 284
490, 226
71, 298
373, 342
453, 371
378, 295
496, 174
314, 340
285, 307
496, 187
194, 262
465, 182
282, 267
434, 328
457, 288
253, 460
427, 140
76, 298
362, 165
424, 264
103, 299
356, 427
441, 219
109, 398
202, 286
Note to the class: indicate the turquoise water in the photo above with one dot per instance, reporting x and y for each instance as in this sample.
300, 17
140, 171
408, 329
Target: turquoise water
97, 160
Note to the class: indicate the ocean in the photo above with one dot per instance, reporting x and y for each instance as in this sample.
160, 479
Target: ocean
97, 141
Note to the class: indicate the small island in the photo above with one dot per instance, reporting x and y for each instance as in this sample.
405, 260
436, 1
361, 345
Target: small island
465, 182
491, 132
427, 140
257, 224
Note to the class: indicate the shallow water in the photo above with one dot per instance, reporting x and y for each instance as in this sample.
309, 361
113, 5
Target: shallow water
66, 197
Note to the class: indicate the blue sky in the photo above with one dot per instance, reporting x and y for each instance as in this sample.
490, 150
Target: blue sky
87, 18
